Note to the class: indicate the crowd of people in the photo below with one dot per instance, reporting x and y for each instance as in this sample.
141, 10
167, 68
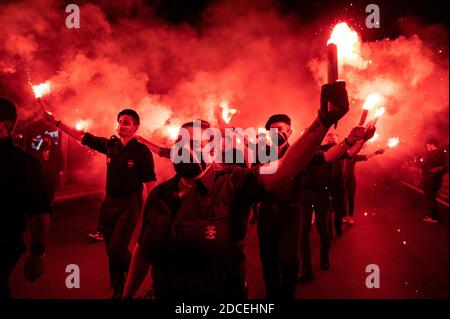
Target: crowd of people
195, 223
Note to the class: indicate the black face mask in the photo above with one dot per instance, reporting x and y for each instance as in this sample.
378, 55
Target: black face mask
282, 138
191, 169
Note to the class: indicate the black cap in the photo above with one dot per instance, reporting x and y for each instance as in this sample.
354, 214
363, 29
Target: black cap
131, 113
278, 118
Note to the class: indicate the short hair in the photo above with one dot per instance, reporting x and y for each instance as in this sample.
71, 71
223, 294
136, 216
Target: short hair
8, 111
432, 141
131, 113
278, 118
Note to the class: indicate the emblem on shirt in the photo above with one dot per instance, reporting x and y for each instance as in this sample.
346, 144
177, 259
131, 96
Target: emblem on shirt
210, 232
131, 163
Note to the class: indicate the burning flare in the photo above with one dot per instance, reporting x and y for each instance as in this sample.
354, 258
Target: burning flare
393, 142
373, 100
42, 89
379, 112
172, 131
348, 45
82, 125
227, 112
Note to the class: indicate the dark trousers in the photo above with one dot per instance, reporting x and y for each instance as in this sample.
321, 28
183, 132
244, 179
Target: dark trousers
338, 206
350, 184
431, 186
278, 232
319, 202
118, 218
10, 257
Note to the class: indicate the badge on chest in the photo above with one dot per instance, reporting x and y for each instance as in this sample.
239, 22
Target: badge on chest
210, 232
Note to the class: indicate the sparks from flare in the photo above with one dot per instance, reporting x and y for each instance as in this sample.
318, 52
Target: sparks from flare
172, 131
227, 112
393, 142
348, 43
372, 100
42, 89
82, 125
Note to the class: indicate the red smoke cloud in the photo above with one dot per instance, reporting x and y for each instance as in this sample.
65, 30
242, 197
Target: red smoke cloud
249, 55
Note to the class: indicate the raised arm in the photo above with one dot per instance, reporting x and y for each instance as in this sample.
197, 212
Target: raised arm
346, 145
303, 149
161, 151
368, 134
71, 131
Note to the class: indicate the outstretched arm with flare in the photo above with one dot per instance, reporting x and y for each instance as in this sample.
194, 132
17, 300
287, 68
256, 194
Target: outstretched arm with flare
71, 131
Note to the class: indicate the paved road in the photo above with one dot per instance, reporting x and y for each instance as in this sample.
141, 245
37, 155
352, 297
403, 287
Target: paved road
413, 257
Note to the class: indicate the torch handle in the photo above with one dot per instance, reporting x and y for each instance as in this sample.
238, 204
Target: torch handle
362, 120
332, 68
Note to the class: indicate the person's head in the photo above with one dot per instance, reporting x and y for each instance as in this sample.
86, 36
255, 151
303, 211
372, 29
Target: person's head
282, 123
431, 143
127, 123
8, 117
194, 145
331, 138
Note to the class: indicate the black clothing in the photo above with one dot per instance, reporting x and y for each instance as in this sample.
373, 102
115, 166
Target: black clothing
195, 243
278, 233
52, 162
433, 172
128, 167
118, 218
22, 195
350, 181
319, 203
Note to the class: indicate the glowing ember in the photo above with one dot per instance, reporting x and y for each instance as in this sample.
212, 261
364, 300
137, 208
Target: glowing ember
348, 44
227, 112
374, 138
372, 101
42, 89
379, 112
82, 125
393, 142
172, 130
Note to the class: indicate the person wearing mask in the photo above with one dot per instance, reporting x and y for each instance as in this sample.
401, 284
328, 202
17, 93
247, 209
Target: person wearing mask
129, 166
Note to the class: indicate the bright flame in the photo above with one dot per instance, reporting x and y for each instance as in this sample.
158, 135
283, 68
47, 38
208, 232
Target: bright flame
374, 138
372, 101
392, 142
172, 130
82, 125
348, 44
227, 113
41, 89
380, 111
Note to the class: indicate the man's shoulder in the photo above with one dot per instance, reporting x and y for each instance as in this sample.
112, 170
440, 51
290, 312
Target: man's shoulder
24, 158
